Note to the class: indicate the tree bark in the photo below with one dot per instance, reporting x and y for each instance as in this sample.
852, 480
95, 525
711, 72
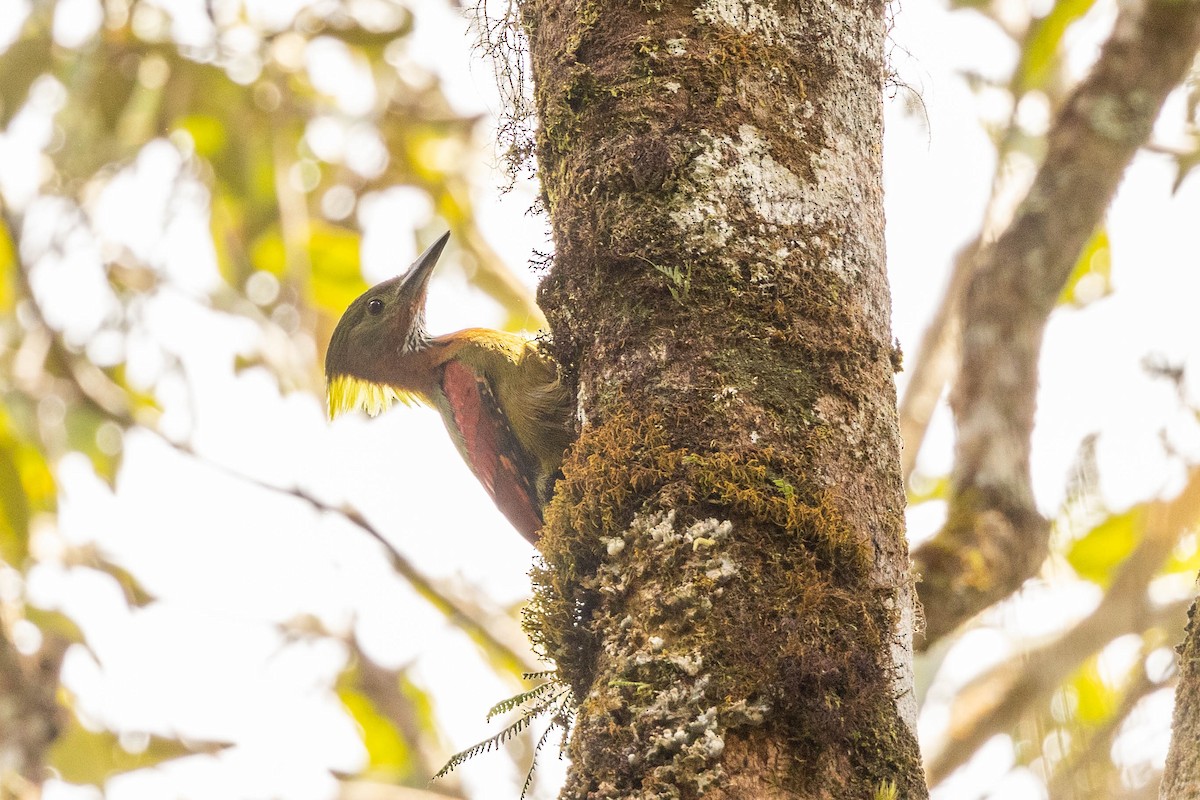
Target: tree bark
1181, 776
725, 581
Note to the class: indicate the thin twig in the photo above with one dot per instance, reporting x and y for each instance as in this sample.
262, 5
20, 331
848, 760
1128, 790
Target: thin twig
451, 608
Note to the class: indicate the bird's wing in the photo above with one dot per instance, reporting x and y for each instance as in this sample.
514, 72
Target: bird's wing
491, 450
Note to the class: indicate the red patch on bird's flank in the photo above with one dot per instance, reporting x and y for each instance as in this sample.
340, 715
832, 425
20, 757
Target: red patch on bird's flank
491, 448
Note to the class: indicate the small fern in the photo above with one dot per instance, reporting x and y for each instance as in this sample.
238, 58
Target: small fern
552, 697
505, 706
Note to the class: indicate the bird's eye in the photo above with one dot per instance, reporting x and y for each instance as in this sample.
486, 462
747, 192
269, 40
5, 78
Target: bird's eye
374, 306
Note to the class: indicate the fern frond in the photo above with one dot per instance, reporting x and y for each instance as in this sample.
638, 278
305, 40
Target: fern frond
537, 748
553, 703
504, 706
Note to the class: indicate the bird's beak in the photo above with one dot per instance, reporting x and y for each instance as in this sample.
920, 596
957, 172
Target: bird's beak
414, 281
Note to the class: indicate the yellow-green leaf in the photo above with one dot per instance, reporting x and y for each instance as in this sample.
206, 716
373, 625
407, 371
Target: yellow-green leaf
1185, 557
14, 509
1091, 277
26, 486
387, 750
924, 489
1095, 700
1041, 45
336, 273
268, 253
55, 622
135, 594
90, 757
87, 432
1098, 552
8, 272
207, 132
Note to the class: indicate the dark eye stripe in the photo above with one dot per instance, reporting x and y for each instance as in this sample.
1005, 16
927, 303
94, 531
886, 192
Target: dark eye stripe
374, 306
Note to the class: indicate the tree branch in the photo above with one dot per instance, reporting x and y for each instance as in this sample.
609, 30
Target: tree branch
30, 716
453, 609
994, 538
994, 701
934, 363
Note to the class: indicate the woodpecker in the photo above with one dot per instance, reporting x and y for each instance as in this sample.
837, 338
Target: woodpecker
501, 399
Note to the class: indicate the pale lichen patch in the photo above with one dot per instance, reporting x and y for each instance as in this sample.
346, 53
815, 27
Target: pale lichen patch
735, 183
655, 666
743, 16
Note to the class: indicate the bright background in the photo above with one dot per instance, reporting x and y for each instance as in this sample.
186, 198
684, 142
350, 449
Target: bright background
189, 253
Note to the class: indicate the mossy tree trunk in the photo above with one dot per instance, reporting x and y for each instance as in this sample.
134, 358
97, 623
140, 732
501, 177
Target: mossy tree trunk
726, 581
1181, 775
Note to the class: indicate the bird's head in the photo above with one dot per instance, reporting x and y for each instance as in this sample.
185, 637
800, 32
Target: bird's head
365, 366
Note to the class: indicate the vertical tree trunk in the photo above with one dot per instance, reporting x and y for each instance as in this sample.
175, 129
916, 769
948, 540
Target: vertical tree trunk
726, 580
1181, 775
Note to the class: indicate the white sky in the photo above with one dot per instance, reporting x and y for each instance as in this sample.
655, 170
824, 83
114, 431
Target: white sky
230, 561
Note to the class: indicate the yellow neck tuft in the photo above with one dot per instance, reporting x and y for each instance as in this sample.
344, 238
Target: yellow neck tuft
346, 393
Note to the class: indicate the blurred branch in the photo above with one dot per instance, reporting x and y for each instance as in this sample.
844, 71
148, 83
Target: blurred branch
1072, 779
934, 363
497, 279
993, 702
459, 612
86, 379
30, 716
994, 538
936, 358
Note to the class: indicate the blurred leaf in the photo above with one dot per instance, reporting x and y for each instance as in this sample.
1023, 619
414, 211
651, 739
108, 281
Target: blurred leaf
86, 429
1185, 557
368, 43
55, 622
419, 703
14, 509
89, 757
269, 254
135, 595
336, 273
925, 489
99, 89
233, 135
387, 751
1184, 164
8, 272
1097, 553
1042, 44
1095, 700
26, 486
1091, 277
20, 66
207, 132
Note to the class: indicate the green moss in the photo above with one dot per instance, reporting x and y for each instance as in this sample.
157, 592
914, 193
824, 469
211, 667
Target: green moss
780, 615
